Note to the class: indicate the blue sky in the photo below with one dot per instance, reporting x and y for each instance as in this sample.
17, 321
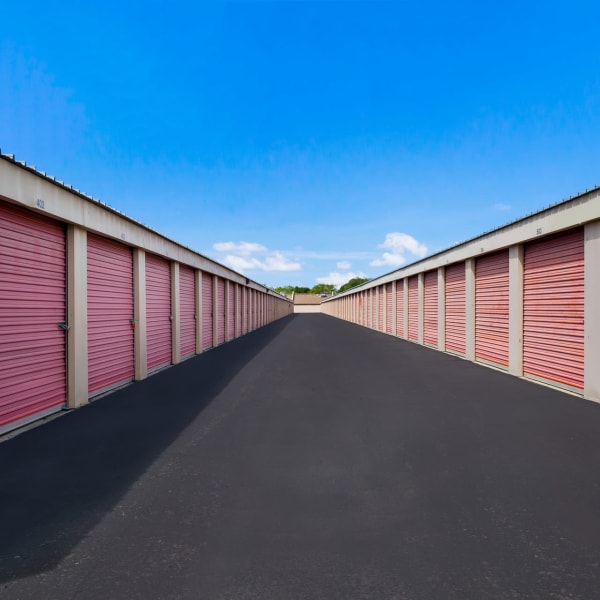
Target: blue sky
307, 141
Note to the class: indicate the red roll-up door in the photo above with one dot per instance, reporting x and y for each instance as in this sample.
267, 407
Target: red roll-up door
430, 309
187, 309
388, 309
370, 307
230, 309
553, 309
491, 308
238, 310
400, 308
455, 300
158, 312
380, 307
220, 310
250, 309
32, 304
207, 311
244, 310
109, 314
413, 307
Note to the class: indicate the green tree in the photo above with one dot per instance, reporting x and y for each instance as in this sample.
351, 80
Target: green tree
323, 288
352, 283
290, 289
285, 289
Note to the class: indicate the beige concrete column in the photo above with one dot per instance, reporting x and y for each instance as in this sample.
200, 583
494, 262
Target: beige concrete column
198, 315
421, 305
592, 313
515, 310
175, 314
405, 315
77, 334
470, 308
215, 310
441, 273
139, 311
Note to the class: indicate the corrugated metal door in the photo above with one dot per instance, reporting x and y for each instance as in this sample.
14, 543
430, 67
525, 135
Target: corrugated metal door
245, 310
207, 311
187, 309
413, 307
430, 309
361, 308
553, 336
220, 310
455, 300
238, 310
230, 309
400, 308
109, 314
491, 308
158, 312
380, 307
388, 308
32, 304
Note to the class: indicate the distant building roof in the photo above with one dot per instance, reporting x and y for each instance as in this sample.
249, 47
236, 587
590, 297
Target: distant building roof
307, 299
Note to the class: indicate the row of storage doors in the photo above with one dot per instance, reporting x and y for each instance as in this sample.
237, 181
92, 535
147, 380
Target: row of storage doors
33, 314
552, 308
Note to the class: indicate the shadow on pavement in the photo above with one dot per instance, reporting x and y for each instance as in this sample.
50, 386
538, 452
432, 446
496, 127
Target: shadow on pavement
59, 479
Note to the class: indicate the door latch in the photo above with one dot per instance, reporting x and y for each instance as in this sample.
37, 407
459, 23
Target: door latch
63, 326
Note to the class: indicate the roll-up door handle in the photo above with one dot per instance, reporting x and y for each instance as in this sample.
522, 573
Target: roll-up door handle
63, 326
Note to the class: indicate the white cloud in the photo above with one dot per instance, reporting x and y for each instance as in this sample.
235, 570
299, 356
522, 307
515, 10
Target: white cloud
241, 249
502, 206
339, 279
341, 256
344, 264
399, 245
240, 257
277, 262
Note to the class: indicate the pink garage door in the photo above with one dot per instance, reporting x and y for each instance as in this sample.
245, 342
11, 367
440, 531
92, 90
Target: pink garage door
388, 309
413, 307
238, 310
369, 308
491, 308
430, 309
32, 305
455, 300
380, 307
246, 308
207, 311
220, 310
158, 312
109, 314
553, 309
187, 308
400, 308
230, 309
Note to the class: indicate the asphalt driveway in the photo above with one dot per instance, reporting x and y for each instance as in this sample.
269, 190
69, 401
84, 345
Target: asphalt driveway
312, 459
